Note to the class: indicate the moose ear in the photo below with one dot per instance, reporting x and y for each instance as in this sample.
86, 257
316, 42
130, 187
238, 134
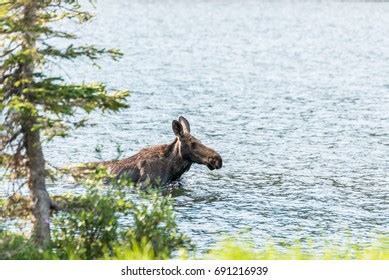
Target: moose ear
184, 123
177, 128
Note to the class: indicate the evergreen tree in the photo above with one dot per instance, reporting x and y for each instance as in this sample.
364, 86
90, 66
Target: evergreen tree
36, 106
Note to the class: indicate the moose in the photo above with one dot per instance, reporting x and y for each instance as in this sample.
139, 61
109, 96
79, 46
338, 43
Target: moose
163, 164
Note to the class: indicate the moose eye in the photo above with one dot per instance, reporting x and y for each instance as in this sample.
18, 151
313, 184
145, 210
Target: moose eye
193, 145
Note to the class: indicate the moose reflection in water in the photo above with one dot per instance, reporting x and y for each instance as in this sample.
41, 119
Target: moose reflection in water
162, 164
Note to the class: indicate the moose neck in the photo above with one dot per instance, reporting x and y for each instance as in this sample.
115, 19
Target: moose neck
177, 164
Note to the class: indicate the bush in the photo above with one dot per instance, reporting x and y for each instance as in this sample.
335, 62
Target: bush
18, 247
90, 231
105, 222
93, 231
154, 229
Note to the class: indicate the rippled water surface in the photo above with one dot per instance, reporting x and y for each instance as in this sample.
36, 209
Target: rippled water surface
295, 97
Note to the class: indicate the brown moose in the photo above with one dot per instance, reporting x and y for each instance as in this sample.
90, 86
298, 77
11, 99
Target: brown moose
162, 164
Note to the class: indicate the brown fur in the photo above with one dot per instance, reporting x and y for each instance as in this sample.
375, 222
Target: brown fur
162, 164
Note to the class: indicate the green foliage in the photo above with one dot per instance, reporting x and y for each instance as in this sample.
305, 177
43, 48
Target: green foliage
3, 7
231, 250
13, 246
15, 206
33, 103
154, 228
85, 233
27, 93
90, 229
18, 247
93, 231
106, 222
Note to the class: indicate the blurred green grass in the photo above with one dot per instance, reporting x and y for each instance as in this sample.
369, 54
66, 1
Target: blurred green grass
231, 250
15, 246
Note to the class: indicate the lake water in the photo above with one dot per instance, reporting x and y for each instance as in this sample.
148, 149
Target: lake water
295, 97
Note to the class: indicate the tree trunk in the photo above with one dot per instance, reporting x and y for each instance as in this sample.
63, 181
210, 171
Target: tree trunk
36, 182
35, 160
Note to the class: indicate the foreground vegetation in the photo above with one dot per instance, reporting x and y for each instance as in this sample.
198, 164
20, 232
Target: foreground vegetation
14, 246
230, 250
93, 226
108, 223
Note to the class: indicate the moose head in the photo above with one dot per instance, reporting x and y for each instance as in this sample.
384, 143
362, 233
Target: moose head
192, 149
